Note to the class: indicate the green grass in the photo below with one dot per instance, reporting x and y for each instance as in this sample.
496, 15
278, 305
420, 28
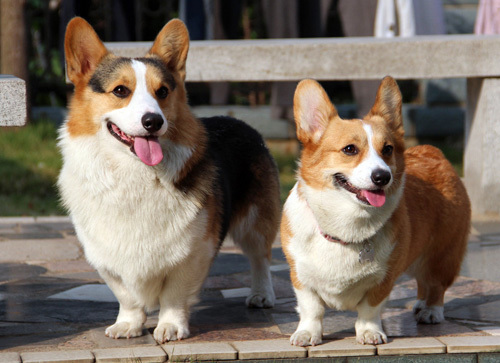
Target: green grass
287, 165
29, 165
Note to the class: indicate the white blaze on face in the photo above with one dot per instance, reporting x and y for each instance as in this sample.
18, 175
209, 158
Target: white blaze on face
361, 176
129, 118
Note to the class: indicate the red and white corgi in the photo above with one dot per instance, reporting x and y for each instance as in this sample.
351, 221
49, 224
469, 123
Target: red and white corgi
152, 190
363, 211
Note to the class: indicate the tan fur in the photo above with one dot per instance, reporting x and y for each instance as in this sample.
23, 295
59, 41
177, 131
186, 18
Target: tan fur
428, 228
286, 234
152, 230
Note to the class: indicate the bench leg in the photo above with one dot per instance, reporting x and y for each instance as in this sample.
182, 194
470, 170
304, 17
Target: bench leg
482, 144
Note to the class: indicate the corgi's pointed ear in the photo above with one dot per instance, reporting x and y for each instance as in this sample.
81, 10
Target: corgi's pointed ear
83, 50
388, 103
312, 110
172, 45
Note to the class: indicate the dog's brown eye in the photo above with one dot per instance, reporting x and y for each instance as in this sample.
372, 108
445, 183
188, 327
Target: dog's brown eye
162, 92
121, 91
387, 150
350, 150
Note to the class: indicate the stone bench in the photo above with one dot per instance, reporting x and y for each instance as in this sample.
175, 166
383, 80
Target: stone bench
475, 58
12, 101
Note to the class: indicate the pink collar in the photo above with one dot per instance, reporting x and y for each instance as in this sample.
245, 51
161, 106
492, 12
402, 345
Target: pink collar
331, 238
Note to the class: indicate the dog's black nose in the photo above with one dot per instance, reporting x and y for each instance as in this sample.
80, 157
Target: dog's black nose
381, 177
152, 122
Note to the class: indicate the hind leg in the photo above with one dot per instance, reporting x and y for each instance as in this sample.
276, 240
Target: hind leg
429, 308
250, 235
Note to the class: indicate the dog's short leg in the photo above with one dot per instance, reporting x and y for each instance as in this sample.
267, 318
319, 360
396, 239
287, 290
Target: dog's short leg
262, 295
369, 325
429, 307
311, 311
179, 292
131, 316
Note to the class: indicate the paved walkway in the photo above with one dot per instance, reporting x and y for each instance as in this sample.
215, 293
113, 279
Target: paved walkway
54, 306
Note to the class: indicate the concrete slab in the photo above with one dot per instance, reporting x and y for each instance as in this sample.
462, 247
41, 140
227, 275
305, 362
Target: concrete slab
10, 358
68, 356
200, 351
341, 348
471, 344
268, 349
135, 354
403, 346
445, 56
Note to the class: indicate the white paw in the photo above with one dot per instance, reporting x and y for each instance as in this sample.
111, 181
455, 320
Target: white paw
304, 338
124, 329
166, 332
371, 337
430, 315
261, 300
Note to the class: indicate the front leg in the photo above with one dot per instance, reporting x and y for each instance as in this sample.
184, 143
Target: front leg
311, 311
369, 325
131, 316
180, 291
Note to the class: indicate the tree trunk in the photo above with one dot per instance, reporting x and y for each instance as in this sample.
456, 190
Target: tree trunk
13, 48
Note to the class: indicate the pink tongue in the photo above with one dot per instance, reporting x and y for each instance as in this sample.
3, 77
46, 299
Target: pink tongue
148, 149
376, 199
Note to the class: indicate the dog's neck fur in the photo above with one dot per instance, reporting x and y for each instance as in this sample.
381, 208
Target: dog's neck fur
338, 214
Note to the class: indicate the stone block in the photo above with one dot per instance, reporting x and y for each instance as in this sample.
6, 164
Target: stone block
68, 356
192, 352
341, 348
152, 354
268, 349
10, 358
482, 149
12, 101
445, 56
403, 346
471, 344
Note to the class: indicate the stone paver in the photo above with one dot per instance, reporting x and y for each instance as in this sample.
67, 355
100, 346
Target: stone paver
135, 354
53, 303
403, 346
268, 349
10, 358
473, 344
68, 356
341, 348
200, 351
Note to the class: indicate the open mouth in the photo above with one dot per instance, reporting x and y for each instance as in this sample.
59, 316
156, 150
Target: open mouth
375, 198
121, 136
147, 148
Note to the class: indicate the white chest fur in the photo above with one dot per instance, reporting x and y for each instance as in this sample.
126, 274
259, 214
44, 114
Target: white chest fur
331, 269
129, 217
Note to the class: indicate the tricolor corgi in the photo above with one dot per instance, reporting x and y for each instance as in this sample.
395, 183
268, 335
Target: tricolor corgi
363, 211
153, 191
